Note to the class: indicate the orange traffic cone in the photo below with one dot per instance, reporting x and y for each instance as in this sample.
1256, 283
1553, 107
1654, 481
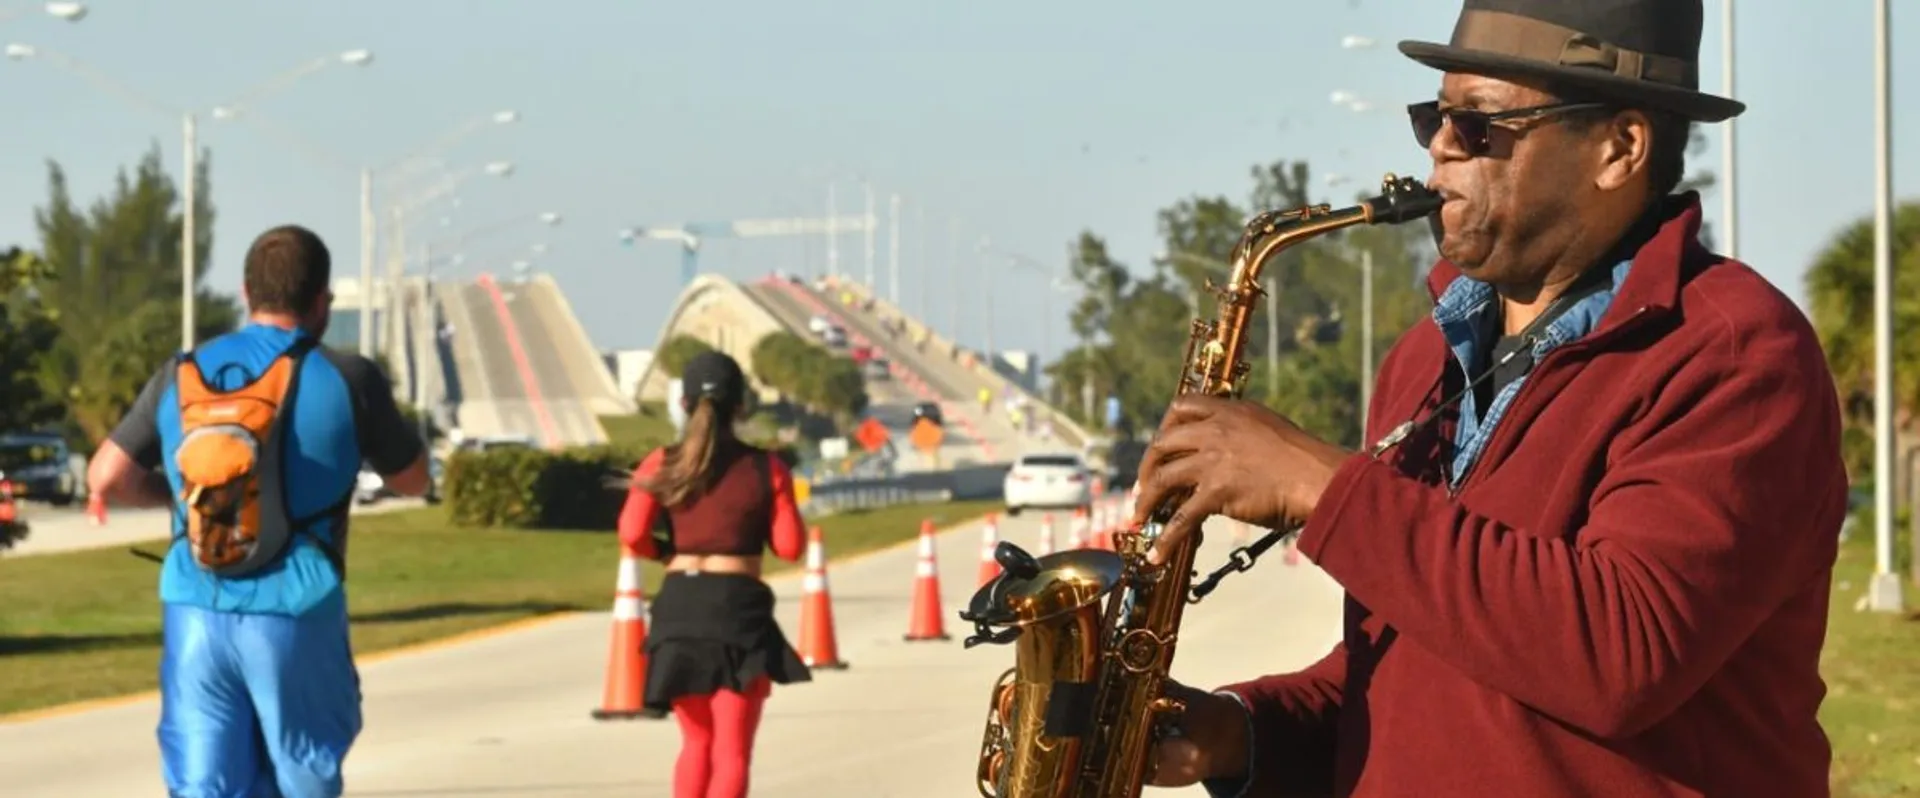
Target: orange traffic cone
818, 646
627, 660
1077, 529
989, 537
926, 621
1046, 536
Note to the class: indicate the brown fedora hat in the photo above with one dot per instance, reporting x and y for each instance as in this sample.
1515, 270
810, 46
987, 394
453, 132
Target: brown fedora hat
1644, 53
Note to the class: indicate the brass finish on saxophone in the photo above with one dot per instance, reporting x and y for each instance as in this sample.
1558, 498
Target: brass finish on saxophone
1094, 631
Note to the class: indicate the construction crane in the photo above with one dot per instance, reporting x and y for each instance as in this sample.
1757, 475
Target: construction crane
690, 235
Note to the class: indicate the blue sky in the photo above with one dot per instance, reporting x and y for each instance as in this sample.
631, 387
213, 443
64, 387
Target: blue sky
1027, 121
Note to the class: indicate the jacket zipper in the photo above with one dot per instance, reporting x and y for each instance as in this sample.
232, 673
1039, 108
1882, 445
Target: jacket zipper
1504, 431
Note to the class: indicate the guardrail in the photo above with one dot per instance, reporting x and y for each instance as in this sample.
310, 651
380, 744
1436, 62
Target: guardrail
959, 484
1064, 425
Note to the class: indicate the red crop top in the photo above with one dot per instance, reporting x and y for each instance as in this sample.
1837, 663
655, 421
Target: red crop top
741, 515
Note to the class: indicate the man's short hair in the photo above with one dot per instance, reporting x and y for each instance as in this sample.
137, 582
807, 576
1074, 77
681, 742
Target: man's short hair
1671, 135
288, 270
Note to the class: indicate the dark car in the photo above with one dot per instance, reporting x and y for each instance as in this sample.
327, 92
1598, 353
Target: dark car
929, 411
42, 467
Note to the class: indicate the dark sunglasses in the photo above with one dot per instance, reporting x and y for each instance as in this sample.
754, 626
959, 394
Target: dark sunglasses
1474, 129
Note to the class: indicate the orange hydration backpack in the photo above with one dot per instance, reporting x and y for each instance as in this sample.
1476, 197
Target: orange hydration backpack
230, 458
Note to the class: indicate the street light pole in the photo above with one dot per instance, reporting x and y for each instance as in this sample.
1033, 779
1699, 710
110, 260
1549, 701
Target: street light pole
189, 179
367, 232
1884, 594
1729, 195
1366, 339
871, 287
920, 256
893, 250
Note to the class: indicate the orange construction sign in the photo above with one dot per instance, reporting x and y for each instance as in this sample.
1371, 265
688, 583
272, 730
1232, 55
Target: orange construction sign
926, 436
871, 435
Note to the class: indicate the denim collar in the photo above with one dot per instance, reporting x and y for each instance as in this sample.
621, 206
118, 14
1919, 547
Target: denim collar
1462, 314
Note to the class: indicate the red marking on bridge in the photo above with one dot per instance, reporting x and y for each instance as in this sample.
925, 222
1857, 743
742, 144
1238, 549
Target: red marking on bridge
548, 430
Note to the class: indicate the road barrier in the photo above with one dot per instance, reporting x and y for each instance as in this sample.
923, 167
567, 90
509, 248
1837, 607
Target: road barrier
958, 484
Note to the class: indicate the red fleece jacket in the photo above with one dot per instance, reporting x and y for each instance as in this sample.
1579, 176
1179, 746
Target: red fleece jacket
1628, 595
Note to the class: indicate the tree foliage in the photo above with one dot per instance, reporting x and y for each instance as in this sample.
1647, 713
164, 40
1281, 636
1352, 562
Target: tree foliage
1133, 325
678, 352
810, 375
26, 330
1839, 290
115, 296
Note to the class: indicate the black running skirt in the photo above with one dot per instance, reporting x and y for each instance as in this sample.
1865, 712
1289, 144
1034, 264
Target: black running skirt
709, 632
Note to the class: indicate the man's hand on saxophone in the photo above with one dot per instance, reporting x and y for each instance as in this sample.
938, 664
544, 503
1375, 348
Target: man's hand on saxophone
1219, 456
1212, 743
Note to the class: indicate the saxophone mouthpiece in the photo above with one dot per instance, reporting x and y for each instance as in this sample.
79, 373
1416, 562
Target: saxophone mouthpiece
1403, 199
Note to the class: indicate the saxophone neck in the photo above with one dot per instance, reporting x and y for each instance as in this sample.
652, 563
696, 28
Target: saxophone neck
1402, 199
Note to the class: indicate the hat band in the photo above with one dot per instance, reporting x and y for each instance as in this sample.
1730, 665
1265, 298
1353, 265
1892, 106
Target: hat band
1509, 34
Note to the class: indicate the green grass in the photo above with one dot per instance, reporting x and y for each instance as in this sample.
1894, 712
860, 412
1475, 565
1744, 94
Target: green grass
1872, 667
86, 624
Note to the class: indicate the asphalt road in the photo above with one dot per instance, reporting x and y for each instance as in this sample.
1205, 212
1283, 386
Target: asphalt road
892, 400
507, 716
536, 317
955, 387
500, 395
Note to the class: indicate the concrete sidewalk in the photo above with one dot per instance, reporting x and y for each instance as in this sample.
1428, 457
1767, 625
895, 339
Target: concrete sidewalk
508, 715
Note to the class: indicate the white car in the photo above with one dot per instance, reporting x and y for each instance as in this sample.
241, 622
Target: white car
1050, 481
818, 325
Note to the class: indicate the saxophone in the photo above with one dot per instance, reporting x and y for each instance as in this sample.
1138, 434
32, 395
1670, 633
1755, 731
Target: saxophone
1079, 713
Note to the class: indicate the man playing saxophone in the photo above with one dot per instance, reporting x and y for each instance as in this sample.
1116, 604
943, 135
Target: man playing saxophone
1591, 554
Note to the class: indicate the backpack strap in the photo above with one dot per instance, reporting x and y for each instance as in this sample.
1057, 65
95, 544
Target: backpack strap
273, 483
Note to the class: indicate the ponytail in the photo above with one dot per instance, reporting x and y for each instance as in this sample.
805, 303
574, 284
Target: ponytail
687, 470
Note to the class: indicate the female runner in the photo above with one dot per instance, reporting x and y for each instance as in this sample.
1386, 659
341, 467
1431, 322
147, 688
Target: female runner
713, 647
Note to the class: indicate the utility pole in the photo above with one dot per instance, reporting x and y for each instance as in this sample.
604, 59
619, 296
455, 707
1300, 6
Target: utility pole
871, 287
1729, 197
893, 250
1366, 339
367, 229
953, 279
833, 231
189, 246
920, 256
1884, 595
980, 265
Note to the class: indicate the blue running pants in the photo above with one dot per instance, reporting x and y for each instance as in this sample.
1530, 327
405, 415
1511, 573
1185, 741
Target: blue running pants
256, 706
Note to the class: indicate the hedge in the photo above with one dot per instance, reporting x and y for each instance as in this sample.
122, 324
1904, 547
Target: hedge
576, 488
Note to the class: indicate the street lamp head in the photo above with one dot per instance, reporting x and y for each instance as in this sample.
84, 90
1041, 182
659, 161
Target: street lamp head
71, 12
224, 112
1342, 97
1360, 106
357, 57
506, 117
1351, 42
521, 265
550, 218
500, 168
20, 52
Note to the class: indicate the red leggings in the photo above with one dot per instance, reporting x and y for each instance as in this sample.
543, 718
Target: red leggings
716, 742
